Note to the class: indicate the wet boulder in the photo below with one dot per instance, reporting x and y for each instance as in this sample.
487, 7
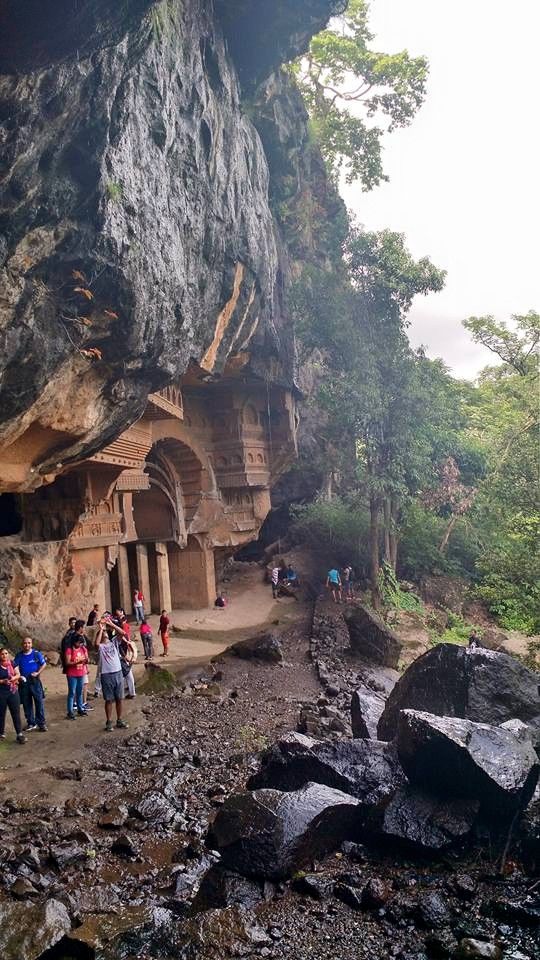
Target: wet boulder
270, 834
371, 638
459, 758
188, 881
263, 646
366, 711
230, 932
224, 888
478, 685
27, 930
365, 769
422, 821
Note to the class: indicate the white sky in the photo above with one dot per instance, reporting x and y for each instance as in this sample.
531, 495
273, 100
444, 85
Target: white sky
465, 176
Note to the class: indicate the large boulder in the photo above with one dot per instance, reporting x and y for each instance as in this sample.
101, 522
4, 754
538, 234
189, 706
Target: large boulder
459, 758
27, 930
370, 637
365, 769
453, 681
270, 834
264, 646
426, 822
366, 711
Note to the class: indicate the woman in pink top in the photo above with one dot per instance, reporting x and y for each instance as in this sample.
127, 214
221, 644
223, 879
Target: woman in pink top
76, 666
9, 697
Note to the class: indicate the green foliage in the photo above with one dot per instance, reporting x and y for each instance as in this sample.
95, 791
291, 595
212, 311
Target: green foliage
251, 740
392, 594
114, 190
516, 347
355, 94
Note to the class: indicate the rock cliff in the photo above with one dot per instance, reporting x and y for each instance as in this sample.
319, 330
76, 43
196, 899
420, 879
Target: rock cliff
136, 233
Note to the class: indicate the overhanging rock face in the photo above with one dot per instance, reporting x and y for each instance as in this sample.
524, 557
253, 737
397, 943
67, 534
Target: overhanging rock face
142, 279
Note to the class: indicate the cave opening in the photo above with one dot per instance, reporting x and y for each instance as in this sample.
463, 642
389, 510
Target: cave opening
10, 515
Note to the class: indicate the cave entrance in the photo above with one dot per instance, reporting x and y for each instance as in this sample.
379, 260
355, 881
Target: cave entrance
11, 521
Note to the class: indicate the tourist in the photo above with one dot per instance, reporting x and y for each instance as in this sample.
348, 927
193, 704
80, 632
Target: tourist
138, 605
220, 601
76, 671
110, 669
93, 616
31, 664
474, 640
347, 580
164, 632
147, 640
275, 582
9, 697
291, 578
128, 655
66, 641
333, 583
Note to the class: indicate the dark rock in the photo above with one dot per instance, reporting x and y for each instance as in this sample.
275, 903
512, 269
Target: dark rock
479, 685
264, 646
271, 834
425, 821
366, 710
124, 847
432, 911
459, 758
216, 934
349, 895
528, 836
365, 769
375, 894
103, 933
356, 851
114, 817
441, 945
27, 930
470, 949
525, 911
155, 808
67, 854
462, 886
313, 885
23, 888
187, 882
223, 888
371, 638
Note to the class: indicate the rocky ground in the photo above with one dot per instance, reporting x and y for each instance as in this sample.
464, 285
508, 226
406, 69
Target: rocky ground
116, 870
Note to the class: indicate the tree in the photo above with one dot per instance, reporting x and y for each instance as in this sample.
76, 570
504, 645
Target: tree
518, 347
355, 94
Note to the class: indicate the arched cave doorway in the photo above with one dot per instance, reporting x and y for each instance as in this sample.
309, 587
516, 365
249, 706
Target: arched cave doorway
11, 521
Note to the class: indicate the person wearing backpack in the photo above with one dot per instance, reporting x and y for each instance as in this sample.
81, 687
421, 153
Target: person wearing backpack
31, 664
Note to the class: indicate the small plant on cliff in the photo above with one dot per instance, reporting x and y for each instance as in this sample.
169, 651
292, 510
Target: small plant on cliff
114, 190
355, 94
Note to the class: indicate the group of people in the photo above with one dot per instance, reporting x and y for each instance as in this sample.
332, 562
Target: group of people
284, 581
108, 637
341, 584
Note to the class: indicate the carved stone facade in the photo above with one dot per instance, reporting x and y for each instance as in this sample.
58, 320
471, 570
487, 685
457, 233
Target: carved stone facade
191, 477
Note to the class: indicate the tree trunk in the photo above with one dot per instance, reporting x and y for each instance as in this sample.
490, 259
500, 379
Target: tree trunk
387, 529
393, 533
327, 489
375, 510
449, 527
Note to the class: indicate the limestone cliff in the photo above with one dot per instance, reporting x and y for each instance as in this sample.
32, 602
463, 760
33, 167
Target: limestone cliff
136, 233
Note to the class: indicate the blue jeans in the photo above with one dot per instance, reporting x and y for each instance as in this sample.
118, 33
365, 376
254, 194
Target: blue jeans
139, 614
75, 689
32, 697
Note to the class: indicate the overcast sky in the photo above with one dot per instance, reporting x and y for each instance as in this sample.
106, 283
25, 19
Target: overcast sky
465, 176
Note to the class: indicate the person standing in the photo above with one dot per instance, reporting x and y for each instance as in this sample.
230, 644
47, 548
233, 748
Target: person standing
110, 669
348, 583
138, 605
164, 632
333, 582
275, 582
31, 664
147, 640
76, 671
66, 640
9, 697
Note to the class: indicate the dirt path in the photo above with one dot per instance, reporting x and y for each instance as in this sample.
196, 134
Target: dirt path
203, 635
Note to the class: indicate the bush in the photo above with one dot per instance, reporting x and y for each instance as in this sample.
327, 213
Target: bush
457, 630
336, 530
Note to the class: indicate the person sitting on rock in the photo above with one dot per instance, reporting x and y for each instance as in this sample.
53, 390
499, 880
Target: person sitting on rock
164, 632
9, 697
147, 638
474, 640
31, 664
333, 583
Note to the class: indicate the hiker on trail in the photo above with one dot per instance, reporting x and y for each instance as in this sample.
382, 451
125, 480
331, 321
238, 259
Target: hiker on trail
9, 697
110, 669
347, 581
333, 583
138, 605
31, 664
275, 582
147, 640
164, 632
76, 670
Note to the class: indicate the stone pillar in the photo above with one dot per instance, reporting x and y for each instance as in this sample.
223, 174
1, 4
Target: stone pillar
164, 580
143, 575
123, 578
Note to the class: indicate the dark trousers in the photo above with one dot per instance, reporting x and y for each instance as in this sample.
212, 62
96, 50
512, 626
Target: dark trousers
12, 703
148, 645
32, 696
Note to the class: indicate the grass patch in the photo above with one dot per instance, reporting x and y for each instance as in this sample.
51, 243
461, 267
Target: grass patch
457, 631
